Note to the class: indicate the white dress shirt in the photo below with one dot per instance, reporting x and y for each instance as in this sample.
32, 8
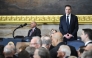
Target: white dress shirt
69, 17
87, 42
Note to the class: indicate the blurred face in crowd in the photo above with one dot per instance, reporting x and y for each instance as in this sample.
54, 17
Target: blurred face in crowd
36, 54
67, 10
60, 54
33, 43
53, 42
33, 24
83, 36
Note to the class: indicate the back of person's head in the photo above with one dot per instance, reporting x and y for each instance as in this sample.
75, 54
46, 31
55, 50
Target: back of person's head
30, 50
87, 54
65, 49
8, 50
36, 42
46, 40
58, 36
12, 45
42, 53
23, 47
23, 54
88, 32
72, 57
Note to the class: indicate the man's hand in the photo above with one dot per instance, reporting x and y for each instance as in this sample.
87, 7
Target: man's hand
68, 36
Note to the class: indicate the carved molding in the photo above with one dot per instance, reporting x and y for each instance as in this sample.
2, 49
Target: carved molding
40, 19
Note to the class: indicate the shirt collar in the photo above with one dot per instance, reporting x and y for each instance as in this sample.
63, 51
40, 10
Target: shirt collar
33, 28
68, 15
87, 42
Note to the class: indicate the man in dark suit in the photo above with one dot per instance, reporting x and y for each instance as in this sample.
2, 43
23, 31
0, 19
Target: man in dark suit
57, 41
86, 36
69, 25
34, 31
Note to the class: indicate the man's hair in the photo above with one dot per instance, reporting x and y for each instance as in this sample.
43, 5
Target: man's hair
39, 41
46, 40
88, 32
81, 49
43, 53
30, 50
68, 6
8, 50
23, 54
65, 49
87, 54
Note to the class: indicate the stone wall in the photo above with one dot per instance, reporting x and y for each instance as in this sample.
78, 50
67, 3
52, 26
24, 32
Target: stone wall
46, 7
7, 30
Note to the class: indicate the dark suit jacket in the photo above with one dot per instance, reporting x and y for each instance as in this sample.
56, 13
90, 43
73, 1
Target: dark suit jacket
36, 32
53, 52
73, 27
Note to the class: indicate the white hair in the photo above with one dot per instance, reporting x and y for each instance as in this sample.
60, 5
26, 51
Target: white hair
65, 49
46, 40
38, 39
8, 49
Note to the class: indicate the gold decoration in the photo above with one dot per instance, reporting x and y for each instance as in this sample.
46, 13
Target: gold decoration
40, 19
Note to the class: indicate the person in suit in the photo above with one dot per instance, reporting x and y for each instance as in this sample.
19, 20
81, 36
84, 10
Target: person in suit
86, 36
34, 31
64, 51
68, 25
57, 41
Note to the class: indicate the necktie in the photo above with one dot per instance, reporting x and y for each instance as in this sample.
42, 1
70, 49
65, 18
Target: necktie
67, 21
31, 32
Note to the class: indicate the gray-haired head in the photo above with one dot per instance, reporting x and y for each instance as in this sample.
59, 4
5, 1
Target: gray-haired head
30, 50
43, 53
65, 49
87, 54
46, 40
8, 50
36, 42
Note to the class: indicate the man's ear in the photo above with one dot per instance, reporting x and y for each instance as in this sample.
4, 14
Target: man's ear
63, 54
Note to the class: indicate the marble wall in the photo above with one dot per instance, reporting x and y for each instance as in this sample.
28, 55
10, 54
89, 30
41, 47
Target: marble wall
7, 30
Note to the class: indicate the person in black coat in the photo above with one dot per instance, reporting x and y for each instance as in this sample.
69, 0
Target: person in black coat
34, 31
69, 25
57, 41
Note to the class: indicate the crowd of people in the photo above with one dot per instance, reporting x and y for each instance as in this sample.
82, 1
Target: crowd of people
49, 47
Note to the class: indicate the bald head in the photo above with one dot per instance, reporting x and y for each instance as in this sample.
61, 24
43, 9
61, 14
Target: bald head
33, 24
58, 36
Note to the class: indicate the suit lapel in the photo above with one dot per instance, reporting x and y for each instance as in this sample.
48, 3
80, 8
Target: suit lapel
71, 20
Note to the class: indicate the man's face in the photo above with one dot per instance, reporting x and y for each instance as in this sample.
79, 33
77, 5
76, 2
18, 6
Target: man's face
83, 36
53, 41
60, 54
36, 54
67, 10
33, 24
33, 43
